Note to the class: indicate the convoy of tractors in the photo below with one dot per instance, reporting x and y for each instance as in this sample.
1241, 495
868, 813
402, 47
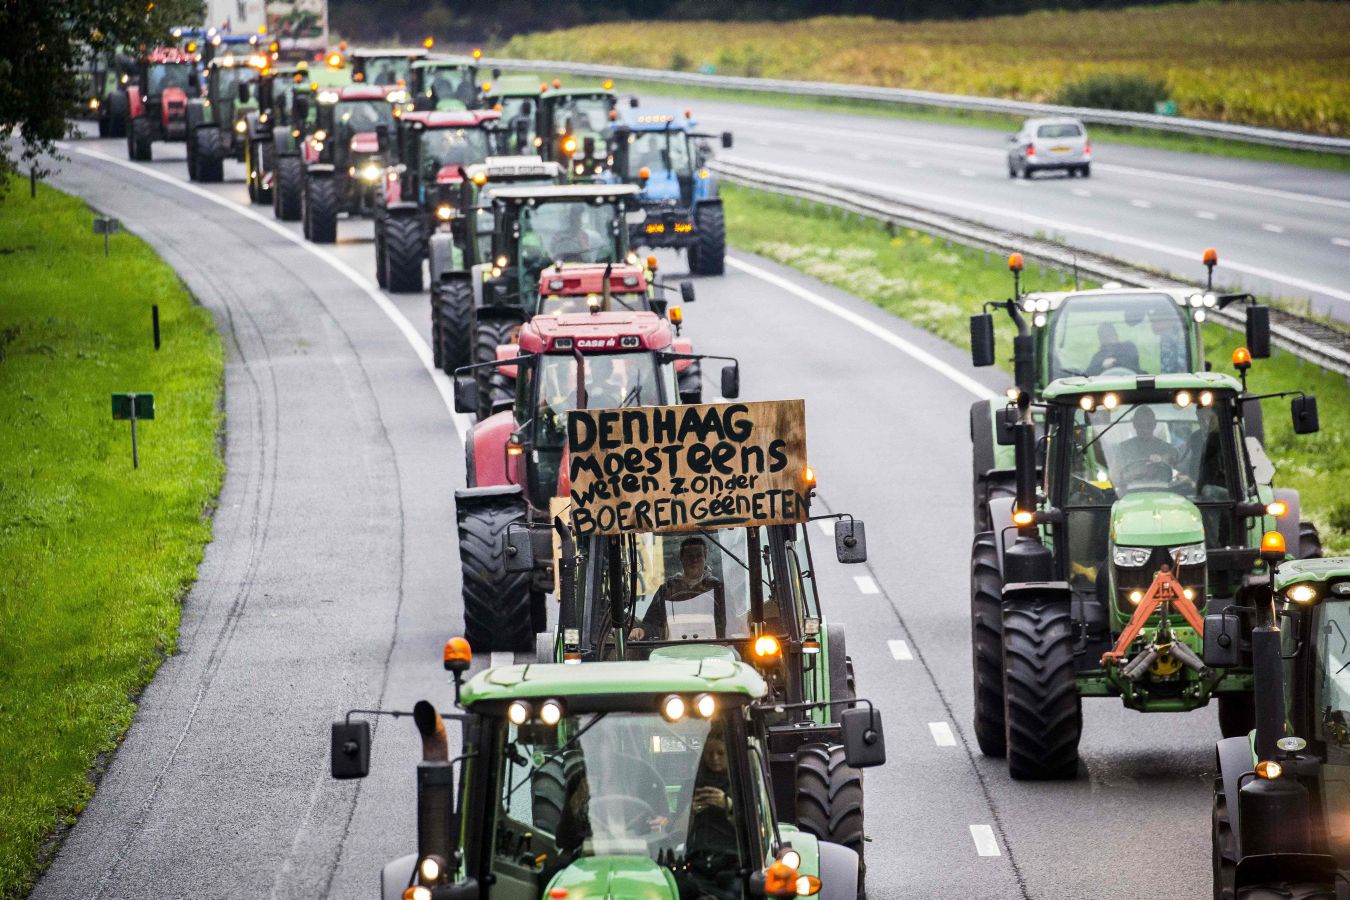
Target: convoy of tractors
685, 721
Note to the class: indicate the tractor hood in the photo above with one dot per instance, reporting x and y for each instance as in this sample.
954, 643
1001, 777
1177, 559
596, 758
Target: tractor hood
614, 877
365, 142
452, 174
661, 185
1155, 519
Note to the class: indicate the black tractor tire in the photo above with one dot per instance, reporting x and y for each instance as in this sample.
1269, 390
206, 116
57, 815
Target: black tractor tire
1309, 541
496, 602
1237, 714
1042, 709
288, 187
487, 337
1223, 845
321, 209
103, 126
209, 155
548, 789
986, 641
452, 306
987, 489
140, 139
257, 163
116, 113
381, 266
1287, 890
830, 799
707, 256
403, 251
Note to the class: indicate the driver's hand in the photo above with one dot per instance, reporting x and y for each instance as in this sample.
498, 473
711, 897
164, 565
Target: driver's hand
709, 798
657, 823
637, 633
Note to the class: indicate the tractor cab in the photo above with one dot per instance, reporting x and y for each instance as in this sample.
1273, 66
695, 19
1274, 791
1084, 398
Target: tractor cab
219, 120
464, 219
383, 67
518, 101
444, 83
157, 99
574, 128
618, 779
345, 130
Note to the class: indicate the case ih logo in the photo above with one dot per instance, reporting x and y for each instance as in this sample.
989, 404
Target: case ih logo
604, 343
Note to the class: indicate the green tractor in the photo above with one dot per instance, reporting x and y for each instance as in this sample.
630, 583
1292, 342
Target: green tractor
617, 779
218, 123
573, 128
445, 82
1139, 503
1281, 814
273, 92
517, 99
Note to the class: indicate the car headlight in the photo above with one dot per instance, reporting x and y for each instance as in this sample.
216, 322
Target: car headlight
1191, 554
1131, 557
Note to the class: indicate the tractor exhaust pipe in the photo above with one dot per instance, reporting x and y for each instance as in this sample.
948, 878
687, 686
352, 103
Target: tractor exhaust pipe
435, 786
435, 742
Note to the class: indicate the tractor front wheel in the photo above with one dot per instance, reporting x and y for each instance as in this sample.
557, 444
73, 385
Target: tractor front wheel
1042, 710
288, 188
208, 156
496, 602
403, 254
490, 334
320, 209
452, 313
381, 266
986, 639
830, 798
707, 256
139, 139
1223, 845
116, 114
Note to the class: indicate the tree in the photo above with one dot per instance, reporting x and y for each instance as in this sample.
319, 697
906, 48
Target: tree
43, 44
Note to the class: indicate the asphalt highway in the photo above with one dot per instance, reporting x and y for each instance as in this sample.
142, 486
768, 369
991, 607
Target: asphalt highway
333, 581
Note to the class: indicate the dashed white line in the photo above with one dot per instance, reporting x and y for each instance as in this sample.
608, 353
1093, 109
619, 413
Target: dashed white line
1206, 215
900, 650
502, 658
866, 585
985, 842
1142, 204
942, 734
1341, 242
1273, 229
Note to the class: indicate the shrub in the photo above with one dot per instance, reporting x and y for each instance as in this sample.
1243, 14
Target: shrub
1122, 91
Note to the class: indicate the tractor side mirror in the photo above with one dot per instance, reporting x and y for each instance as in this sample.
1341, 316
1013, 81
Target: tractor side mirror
1012, 138
726, 140
632, 102
349, 755
528, 548
382, 138
243, 92
1221, 640
1258, 331
731, 381
300, 107
496, 73
864, 740
466, 395
687, 291
1304, 411
850, 541
982, 340
658, 305
1004, 421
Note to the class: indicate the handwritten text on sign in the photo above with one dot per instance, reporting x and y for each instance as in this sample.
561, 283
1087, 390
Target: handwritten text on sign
682, 468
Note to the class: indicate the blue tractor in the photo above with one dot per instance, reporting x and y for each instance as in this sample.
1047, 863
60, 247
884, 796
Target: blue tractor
667, 158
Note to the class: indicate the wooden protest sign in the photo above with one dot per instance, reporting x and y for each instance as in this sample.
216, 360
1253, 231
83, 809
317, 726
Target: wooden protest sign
685, 468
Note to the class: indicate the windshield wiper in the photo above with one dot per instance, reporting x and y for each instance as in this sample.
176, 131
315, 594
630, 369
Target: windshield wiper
1101, 434
554, 755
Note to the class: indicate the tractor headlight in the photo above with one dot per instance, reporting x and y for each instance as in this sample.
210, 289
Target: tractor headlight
444, 213
241, 126
1130, 557
370, 172
1191, 555
1302, 593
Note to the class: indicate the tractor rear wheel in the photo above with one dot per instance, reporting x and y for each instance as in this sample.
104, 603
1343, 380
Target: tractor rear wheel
208, 155
986, 640
139, 139
488, 336
1042, 710
403, 254
1237, 714
708, 254
116, 113
548, 787
1309, 541
320, 209
830, 799
1223, 845
287, 188
452, 308
257, 163
496, 602
381, 267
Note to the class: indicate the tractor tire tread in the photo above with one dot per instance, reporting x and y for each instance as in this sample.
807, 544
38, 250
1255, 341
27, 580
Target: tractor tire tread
496, 602
986, 637
1042, 709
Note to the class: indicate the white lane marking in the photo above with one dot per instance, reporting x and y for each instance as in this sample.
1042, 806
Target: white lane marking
969, 173
502, 658
1341, 242
900, 650
948, 371
1273, 229
1142, 204
866, 585
985, 842
945, 202
942, 734
1206, 215
1082, 192
444, 386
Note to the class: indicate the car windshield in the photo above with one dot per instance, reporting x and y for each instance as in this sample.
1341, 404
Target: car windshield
1331, 629
355, 116
387, 70
623, 784
659, 151
453, 147
1123, 334
1059, 130
612, 380
1149, 446
166, 75
690, 587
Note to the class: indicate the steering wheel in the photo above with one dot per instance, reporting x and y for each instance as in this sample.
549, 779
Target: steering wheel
1148, 470
635, 813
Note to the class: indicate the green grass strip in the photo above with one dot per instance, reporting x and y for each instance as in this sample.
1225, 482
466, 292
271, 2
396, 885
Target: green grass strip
937, 285
95, 557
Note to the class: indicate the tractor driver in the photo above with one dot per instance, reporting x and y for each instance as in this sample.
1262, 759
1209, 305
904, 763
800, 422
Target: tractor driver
1113, 353
692, 582
1143, 455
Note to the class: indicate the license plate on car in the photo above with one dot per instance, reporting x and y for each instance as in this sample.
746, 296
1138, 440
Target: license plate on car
1060, 149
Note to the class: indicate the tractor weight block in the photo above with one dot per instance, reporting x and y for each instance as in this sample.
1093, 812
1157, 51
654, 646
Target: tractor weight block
850, 541
982, 340
687, 291
1221, 640
350, 749
1258, 331
864, 739
1304, 412
731, 383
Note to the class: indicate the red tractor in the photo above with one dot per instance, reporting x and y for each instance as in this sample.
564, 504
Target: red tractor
157, 99
344, 169
515, 457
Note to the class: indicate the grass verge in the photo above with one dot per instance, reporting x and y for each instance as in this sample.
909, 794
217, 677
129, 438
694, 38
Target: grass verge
94, 556
937, 285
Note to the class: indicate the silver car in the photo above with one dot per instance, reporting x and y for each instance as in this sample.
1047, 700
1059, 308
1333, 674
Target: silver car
1045, 144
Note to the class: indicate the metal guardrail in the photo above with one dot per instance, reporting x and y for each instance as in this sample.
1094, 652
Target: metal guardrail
1319, 344
1249, 133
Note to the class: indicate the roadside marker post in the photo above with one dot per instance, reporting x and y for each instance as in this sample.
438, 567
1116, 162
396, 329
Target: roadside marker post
154, 322
106, 226
133, 407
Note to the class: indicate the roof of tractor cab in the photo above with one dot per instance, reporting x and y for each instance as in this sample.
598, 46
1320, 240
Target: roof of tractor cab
435, 61
1320, 570
515, 167
362, 92
610, 680
589, 278
452, 118
565, 192
648, 120
552, 91
598, 332
1055, 298
170, 56
386, 52
1069, 389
